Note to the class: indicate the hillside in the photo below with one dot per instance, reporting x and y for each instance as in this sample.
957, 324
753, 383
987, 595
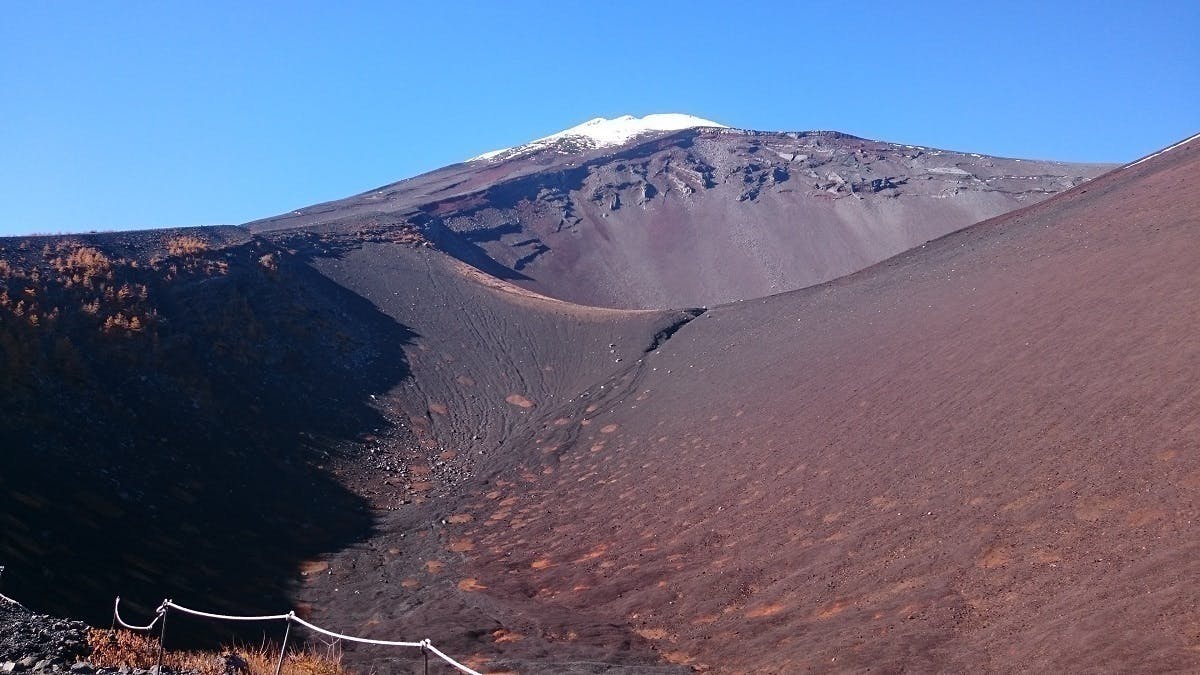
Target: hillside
208, 415
976, 456
159, 387
971, 456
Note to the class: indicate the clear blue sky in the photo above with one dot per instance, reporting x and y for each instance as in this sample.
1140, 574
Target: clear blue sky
124, 114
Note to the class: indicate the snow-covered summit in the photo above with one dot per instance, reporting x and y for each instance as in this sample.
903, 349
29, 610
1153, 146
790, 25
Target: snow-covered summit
601, 132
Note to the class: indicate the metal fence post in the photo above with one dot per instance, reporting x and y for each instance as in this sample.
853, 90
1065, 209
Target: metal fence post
162, 637
283, 650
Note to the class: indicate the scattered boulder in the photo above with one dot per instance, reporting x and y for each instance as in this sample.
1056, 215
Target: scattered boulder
879, 184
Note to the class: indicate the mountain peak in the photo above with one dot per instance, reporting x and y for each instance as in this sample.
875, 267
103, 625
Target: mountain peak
601, 132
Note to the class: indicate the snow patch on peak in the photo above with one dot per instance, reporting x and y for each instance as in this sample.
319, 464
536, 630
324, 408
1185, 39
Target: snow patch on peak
489, 154
601, 133
605, 132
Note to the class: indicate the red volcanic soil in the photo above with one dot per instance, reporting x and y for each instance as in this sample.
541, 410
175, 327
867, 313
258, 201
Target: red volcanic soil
979, 455
487, 359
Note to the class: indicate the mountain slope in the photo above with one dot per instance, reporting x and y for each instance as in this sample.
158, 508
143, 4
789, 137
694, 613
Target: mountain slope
979, 455
216, 417
366, 411
693, 217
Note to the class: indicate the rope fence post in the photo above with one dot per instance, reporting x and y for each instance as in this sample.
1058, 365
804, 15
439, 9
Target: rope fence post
283, 650
425, 653
162, 635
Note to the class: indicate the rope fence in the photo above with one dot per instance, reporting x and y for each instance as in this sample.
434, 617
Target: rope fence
160, 614
3, 597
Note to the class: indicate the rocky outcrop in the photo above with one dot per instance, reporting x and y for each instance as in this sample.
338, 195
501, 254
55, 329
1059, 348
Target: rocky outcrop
37, 643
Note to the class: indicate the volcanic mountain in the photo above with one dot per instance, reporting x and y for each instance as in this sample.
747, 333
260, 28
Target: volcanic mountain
677, 211
974, 455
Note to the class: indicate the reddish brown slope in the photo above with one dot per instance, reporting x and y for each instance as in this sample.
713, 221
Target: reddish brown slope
980, 455
486, 359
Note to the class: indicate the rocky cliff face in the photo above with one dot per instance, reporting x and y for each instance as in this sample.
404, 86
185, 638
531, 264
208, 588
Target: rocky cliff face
697, 217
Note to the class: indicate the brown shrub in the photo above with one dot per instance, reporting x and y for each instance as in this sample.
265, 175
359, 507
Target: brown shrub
91, 262
186, 245
115, 649
120, 322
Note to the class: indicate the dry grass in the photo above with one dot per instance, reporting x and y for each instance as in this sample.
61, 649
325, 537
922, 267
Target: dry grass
114, 649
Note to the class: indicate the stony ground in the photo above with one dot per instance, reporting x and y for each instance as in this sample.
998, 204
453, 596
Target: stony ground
32, 642
39, 643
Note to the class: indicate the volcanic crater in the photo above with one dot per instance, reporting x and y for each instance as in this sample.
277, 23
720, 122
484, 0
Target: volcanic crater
705, 400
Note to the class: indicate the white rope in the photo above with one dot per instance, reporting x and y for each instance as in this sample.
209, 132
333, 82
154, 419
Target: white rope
227, 617
117, 615
447, 659
351, 638
290, 616
1167, 149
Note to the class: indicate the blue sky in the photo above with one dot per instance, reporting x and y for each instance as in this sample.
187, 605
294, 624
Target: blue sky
141, 114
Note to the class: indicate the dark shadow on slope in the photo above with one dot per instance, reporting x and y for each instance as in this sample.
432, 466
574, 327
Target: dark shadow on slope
490, 233
183, 457
538, 250
463, 247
